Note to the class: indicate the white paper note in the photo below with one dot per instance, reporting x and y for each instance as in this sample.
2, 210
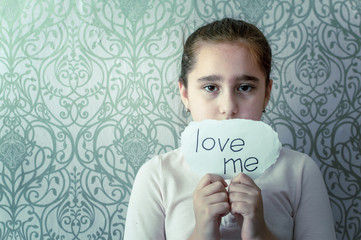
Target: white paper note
228, 147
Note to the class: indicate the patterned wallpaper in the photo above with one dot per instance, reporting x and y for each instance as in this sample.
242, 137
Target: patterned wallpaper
88, 93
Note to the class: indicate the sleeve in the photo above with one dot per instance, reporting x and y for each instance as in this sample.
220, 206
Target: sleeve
313, 218
145, 215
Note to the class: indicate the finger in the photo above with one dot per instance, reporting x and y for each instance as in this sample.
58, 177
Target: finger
220, 209
241, 208
213, 188
217, 198
238, 197
247, 209
246, 203
242, 204
210, 178
244, 179
243, 188
244, 193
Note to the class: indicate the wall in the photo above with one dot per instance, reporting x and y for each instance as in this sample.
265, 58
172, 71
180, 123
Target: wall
88, 93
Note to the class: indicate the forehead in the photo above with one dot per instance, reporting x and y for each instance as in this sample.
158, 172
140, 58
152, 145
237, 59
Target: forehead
226, 56
223, 47
229, 46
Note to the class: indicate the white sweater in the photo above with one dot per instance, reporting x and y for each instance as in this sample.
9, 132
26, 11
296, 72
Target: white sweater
295, 200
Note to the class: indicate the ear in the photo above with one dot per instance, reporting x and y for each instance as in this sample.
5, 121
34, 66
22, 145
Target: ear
268, 93
183, 93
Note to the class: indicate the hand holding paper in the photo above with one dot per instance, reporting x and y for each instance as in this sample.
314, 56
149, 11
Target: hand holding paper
229, 147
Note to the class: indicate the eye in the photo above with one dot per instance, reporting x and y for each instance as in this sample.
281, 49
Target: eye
210, 88
245, 88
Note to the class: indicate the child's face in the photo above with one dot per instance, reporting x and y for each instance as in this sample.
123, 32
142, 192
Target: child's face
225, 84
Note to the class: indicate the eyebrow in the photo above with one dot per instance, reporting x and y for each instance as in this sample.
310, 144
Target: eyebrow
217, 78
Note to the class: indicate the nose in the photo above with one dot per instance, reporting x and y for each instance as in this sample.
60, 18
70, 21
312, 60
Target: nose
228, 105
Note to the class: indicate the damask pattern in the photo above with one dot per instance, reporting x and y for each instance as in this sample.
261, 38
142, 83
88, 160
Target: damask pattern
88, 93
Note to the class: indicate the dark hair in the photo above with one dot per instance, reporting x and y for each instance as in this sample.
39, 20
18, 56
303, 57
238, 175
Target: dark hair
227, 30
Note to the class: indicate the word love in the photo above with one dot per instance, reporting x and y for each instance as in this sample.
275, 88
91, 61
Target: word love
209, 143
234, 145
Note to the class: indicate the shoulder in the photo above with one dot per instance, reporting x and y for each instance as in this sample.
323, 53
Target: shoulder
147, 203
294, 160
302, 174
165, 166
297, 162
162, 161
151, 177
289, 154
292, 172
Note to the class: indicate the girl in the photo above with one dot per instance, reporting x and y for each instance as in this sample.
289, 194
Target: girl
225, 74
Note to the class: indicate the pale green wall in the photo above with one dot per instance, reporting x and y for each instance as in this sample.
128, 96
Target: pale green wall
88, 93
